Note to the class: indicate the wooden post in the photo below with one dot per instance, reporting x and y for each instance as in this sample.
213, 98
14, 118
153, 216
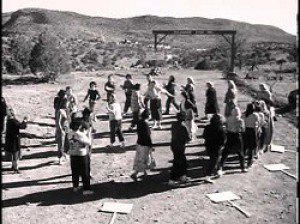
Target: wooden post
155, 41
232, 54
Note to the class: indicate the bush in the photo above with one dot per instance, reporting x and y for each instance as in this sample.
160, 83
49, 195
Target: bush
49, 57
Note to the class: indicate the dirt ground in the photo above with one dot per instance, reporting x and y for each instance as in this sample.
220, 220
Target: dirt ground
42, 193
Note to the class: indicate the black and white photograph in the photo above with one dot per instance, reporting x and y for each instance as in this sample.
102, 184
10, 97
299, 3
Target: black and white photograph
149, 111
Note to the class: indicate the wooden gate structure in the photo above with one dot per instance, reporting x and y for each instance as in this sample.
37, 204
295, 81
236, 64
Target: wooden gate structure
165, 33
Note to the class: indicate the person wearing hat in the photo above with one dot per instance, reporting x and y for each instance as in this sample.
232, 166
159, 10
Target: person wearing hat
214, 136
115, 120
143, 147
179, 138
189, 88
12, 137
211, 106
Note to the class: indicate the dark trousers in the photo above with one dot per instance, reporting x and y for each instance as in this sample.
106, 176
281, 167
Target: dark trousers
127, 103
250, 144
179, 163
155, 109
171, 100
214, 153
234, 144
80, 166
115, 129
135, 118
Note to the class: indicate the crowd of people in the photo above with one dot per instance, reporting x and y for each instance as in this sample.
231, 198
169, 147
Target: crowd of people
247, 134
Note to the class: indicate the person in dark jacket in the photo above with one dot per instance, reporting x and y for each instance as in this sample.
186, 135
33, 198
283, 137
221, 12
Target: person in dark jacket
214, 136
12, 138
211, 106
110, 87
144, 146
170, 87
180, 137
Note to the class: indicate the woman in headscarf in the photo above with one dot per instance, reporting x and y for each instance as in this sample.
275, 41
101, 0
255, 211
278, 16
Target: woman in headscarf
211, 106
189, 88
230, 98
12, 138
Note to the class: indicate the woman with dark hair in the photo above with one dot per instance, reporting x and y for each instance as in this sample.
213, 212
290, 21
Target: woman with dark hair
93, 95
136, 104
143, 147
211, 106
188, 109
214, 136
179, 139
170, 87
79, 142
250, 135
12, 137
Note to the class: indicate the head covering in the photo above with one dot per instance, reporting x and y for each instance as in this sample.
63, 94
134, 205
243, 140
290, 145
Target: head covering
216, 119
264, 86
210, 83
191, 79
231, 85
145, 114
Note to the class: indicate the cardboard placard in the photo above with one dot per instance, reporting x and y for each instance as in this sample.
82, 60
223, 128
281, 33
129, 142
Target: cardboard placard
277, 148
222, 196
276, 167
116, 207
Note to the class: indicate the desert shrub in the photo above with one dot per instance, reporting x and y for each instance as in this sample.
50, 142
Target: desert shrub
12, 66
49, 57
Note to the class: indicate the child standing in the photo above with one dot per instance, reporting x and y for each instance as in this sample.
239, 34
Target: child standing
110, 86
72, 103
79, 142
128, 87
144, 146
230, 98
136, 104
93, 96
62, 129
214, 136
170, 87
115, 120
235, 126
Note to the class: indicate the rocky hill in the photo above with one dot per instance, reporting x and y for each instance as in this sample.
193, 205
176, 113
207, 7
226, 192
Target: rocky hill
66, 25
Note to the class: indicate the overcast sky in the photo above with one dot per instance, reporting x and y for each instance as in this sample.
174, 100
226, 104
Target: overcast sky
280, 13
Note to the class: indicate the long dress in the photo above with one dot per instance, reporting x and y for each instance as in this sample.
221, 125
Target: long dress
230, 101
12, 138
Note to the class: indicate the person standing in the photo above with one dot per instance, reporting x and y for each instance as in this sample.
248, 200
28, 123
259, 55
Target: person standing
136, 104
214, 136
12, 138
189, 89
147, 99
211, 106
180, 137
128, 87
62, 129
115, 120
143, 147
267, 129
3, 113
79, 142
235, 126
110, 86
170, 87
154, 94
188, 109
72, 102
93, 95
230, 98
251, 133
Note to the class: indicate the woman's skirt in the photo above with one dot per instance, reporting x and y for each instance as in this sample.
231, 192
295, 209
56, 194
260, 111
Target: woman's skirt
156, 109
141, 160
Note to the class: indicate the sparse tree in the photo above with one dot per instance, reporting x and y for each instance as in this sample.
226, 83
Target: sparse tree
49, 57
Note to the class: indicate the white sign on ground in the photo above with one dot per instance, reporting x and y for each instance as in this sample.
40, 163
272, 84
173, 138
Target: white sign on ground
277, 148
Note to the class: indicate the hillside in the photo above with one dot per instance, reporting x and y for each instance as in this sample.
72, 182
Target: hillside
68, 25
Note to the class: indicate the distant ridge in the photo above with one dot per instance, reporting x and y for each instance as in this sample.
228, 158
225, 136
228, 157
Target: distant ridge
66, 25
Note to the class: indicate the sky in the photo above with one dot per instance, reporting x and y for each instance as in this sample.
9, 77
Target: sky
279, 13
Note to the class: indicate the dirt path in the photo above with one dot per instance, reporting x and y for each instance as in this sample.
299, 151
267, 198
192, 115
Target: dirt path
42, 192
